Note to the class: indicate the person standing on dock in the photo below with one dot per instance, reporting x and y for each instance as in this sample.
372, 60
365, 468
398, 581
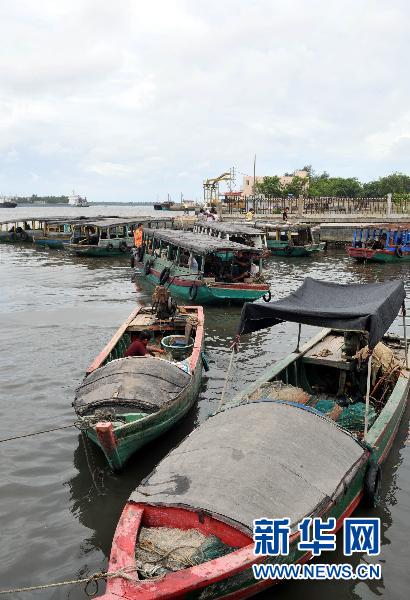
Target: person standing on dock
138, 236
285, 214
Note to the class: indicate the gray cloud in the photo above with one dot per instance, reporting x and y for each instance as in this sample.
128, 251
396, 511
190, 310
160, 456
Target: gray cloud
129, 100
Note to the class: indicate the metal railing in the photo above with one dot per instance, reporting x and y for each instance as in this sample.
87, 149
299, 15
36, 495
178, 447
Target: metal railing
267, 205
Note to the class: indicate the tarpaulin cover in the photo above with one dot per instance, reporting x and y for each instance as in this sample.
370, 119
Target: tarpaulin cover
368, 307
264, 459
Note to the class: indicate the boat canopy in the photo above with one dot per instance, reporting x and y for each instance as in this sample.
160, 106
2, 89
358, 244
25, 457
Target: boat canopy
197, 243
368, 307
262, 459
230, 228
143, 383
103, 222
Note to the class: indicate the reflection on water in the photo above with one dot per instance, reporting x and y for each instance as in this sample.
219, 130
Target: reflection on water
57, 311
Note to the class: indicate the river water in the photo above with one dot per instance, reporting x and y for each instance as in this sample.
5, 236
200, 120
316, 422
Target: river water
59, 504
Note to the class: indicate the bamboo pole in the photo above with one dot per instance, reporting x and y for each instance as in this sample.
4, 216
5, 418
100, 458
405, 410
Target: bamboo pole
366, 414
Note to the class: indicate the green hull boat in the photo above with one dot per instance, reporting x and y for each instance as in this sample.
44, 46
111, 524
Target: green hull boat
278, 248
201, 268
307, 439
124, 403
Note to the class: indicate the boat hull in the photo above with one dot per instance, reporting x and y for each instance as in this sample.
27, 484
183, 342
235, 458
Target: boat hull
136, 432
98, 251
379, 256
181, 284
133, 436
230, 576
49, 242
295, 251
9, 237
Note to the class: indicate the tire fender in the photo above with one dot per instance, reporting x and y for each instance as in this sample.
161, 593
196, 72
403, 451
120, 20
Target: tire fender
267, 297
193, 292
371, 485
164, 276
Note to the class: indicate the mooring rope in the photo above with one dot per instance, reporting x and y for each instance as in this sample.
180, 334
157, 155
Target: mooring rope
87, 580
24, 435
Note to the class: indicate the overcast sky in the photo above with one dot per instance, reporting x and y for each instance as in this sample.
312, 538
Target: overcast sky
130, 100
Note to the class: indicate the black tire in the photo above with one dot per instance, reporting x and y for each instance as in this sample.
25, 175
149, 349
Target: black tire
371, 485
165, 273
193, 292
109, 247
268, 296
132, 260
123, 247
147, 267
24, 236
399, 251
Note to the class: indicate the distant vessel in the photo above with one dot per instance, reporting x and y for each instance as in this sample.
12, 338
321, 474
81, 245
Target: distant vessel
76, 200
7, 202
187, 205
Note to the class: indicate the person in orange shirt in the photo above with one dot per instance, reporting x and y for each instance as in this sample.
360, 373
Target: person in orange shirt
138, 236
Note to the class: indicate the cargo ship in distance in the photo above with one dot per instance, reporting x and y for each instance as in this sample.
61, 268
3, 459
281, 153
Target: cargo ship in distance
7, 202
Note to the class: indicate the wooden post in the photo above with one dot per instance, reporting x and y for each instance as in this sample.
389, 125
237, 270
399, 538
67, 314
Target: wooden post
389, 203
300, 205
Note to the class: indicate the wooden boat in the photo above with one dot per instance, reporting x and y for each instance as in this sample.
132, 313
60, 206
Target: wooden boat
56, 234
375, 243
166, 257
236, 232
110, 237
17, 231
269, 453
124, 403
291, 240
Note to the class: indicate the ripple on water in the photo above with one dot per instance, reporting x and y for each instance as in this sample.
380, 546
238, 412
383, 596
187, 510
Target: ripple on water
57, 312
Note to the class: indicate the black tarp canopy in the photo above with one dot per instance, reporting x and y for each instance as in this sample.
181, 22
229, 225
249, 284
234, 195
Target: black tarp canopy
368, 307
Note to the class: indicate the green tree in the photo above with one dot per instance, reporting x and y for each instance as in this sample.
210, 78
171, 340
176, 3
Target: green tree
270, 186
295, 187
342, 187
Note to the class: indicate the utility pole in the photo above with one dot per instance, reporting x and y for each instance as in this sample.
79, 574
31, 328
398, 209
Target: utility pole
254, 175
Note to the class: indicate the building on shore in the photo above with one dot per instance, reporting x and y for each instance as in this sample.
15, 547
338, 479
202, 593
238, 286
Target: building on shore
248, 181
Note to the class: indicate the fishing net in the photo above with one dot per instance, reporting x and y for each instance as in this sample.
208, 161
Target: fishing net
160, 550
352, 417
277, 390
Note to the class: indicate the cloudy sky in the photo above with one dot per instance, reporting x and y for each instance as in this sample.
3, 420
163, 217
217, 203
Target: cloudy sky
130, 100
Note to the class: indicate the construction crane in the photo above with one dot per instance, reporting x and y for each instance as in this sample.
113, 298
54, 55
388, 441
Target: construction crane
211, 186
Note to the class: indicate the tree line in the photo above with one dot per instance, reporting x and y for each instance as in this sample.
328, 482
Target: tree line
323, 185
47, 199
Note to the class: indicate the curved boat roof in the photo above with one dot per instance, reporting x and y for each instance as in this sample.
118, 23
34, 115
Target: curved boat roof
196, 242
144, 383
368, 307
265, 459
114, 222
230, 228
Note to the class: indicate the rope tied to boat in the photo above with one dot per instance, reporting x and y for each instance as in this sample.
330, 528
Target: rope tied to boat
24, 435
92, 579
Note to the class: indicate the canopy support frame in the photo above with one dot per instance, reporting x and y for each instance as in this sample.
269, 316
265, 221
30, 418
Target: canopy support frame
298, 344
366, 414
